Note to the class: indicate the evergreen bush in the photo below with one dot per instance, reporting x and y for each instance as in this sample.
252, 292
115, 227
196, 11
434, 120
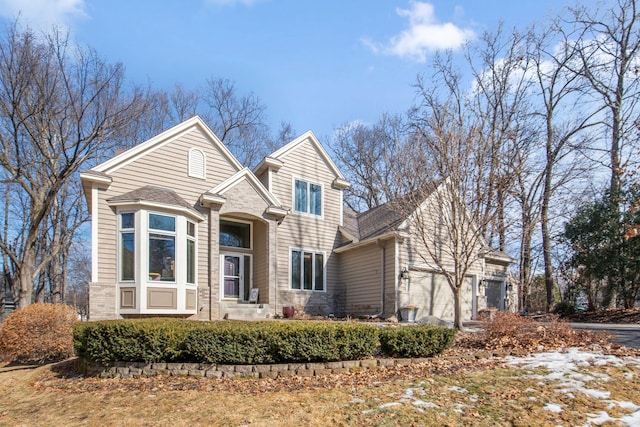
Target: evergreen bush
416, 341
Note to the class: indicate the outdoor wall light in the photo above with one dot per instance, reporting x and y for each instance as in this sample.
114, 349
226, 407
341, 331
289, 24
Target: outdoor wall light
404, 274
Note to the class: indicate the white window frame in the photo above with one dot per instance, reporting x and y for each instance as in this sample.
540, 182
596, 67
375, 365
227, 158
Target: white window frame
141, 232
176, 245
293, 197
194, 239
122, 230
314, 252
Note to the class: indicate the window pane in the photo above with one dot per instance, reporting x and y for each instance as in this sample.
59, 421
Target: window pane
162, 222
127, 256
301, 196
162, 255
319, 273
308, 270
295, 269
235, 234
315, 200
127, 220
191, 261
191, 229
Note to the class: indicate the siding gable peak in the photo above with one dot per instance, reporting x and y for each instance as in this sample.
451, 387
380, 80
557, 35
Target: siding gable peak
144, 148
340, 181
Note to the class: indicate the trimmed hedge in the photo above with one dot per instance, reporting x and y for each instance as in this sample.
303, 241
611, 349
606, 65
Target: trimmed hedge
416, 341
238, 343
148, 340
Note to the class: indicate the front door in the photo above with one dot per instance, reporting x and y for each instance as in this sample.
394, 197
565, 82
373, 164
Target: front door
236, 276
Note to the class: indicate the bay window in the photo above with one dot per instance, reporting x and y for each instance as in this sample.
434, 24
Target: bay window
156, 247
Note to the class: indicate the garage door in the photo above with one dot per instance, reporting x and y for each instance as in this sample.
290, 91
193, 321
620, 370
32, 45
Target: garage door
430, 292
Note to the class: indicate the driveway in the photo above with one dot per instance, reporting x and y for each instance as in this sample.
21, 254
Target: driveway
624, 334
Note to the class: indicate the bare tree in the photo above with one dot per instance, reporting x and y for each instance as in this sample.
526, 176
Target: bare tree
608, 53
237, 120
369, 154
565, 116
446, 148
60, 106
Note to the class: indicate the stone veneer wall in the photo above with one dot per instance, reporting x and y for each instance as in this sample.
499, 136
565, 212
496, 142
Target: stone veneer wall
142, 369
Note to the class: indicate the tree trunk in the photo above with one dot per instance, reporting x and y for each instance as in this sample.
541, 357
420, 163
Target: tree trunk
25, 281
457, 307
525, 263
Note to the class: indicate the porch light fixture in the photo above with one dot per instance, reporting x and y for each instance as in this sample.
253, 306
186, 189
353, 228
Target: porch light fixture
404, 274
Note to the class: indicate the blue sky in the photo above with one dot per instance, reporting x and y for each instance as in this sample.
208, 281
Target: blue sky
316, 64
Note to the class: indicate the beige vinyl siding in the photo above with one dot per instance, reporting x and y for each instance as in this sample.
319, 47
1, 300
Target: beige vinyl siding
361, 278
496, 269
361, 275
307, 231
166, 166
428, 287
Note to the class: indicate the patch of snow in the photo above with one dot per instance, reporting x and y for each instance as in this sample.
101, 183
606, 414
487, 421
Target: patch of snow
553, 407
566, 368
357, 400
473, 398
389, 405
458, 389
422, 403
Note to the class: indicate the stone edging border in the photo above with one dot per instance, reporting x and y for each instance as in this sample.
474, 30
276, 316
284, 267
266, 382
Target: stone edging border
142, 369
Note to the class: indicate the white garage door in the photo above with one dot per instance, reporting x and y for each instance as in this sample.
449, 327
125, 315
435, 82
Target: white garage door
430, 292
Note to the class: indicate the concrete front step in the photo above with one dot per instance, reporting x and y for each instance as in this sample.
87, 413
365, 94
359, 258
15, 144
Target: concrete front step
233, 311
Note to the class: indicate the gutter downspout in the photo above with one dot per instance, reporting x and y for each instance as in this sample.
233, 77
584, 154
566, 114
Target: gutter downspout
382, 276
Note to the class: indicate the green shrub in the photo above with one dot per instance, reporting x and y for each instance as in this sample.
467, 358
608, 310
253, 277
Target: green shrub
144, 340
39, 333
564, 309
231, 342
415, 341
325, 341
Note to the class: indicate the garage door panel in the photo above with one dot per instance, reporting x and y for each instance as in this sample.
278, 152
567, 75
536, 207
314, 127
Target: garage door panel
433, 296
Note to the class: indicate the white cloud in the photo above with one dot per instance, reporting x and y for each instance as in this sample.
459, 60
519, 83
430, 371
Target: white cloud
43, 14
424, 34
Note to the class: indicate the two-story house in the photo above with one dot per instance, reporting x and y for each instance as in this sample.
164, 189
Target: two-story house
181, 228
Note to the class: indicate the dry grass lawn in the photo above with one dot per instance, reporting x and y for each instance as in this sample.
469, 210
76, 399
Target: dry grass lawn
446, 392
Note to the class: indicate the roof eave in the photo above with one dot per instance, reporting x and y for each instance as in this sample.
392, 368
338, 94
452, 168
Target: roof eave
155, 205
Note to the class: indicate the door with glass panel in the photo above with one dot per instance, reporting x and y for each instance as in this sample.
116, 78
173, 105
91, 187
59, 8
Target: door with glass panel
236, 276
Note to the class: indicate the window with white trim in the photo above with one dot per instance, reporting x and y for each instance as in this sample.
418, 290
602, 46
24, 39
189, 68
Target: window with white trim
191, 252
307, 197
162, 247
127, 246
169, 247
307, 270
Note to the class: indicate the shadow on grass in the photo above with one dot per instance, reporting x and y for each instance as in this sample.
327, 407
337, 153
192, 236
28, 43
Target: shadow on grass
67, 369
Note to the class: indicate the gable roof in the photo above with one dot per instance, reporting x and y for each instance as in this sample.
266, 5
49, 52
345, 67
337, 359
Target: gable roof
160, 140
216, 194
155, 196
293, 145
384, 218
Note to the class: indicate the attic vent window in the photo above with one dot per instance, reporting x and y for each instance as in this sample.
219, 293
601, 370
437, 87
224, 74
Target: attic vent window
197, 163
